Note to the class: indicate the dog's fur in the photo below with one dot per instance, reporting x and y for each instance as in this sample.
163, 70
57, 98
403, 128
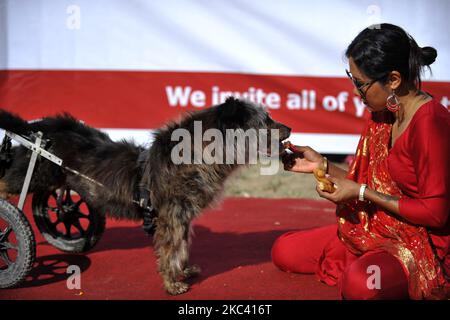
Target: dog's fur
178, 192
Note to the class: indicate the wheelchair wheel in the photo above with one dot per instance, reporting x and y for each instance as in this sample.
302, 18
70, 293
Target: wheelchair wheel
17, 245
66, 221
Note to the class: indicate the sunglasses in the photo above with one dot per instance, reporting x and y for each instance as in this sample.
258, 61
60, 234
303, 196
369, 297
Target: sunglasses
361, 85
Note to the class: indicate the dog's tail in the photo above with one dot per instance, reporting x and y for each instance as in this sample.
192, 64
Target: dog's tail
13, 123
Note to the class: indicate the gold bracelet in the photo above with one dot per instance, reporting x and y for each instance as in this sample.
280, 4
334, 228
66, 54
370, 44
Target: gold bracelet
325, 164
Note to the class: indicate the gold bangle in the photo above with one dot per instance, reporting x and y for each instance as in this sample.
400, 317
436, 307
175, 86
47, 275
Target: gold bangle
325, 164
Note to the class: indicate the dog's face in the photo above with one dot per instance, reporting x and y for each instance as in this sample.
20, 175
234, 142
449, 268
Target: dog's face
245, 115
235, 132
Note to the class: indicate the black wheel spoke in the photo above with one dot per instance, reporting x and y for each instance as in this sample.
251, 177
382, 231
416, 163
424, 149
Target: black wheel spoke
53, 263
68, 199
67, 226
55, 196
4, 256
60, 199
56, 222
5, 233
81, 215
59, 267
9, 246
78, 204
77, 225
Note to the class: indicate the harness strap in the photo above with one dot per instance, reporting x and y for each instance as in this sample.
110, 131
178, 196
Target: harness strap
142, 196
5, 155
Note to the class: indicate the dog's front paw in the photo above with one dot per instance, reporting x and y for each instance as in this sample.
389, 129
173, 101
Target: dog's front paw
192, 271
175, 288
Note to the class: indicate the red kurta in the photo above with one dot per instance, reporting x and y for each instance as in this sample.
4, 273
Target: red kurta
416, 169
419, 163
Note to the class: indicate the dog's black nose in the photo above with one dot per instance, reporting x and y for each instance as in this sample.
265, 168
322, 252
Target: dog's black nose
285, 132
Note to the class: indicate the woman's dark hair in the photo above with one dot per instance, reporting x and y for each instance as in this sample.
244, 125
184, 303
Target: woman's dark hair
382, 48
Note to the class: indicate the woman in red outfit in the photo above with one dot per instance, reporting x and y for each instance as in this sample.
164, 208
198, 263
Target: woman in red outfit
392, 236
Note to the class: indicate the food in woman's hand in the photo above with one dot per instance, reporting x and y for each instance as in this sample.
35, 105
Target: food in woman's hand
319, 173
323, 183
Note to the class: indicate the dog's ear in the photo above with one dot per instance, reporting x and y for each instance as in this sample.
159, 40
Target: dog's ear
230, 108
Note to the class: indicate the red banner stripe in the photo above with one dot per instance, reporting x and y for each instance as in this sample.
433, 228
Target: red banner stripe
130, 99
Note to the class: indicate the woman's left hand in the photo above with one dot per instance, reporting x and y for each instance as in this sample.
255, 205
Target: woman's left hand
345, 190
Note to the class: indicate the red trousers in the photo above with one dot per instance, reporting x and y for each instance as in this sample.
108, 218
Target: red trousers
374, 275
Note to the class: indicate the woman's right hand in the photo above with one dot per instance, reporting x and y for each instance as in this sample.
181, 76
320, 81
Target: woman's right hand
303, 159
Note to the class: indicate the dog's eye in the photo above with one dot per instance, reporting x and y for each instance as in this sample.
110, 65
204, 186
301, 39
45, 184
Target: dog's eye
269, 120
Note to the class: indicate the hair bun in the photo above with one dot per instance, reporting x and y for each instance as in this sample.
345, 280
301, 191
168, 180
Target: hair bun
428, 56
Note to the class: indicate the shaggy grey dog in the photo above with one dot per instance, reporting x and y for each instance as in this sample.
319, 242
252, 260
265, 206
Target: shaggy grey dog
178, 191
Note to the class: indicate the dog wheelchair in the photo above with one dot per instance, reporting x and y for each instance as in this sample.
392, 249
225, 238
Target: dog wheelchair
66, 220
62, 216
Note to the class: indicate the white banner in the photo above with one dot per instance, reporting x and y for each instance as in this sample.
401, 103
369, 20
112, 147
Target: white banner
287, 37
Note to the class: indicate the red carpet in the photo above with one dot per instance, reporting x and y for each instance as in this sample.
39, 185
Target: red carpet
231, 244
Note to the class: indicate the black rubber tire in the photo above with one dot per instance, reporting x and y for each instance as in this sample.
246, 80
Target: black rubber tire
16, 272
65, 243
